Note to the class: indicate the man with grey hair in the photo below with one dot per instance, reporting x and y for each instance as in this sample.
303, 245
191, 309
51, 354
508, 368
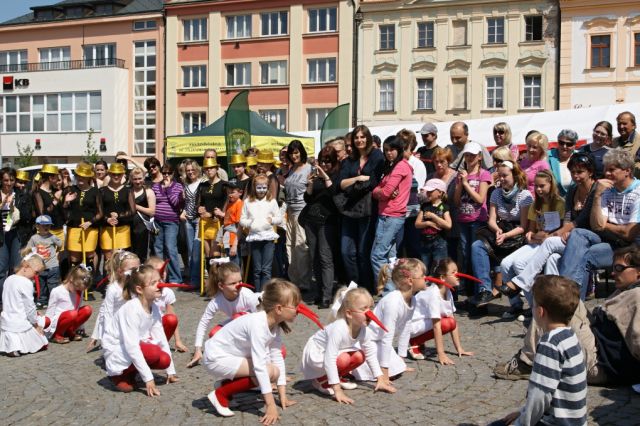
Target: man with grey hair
559, 159
459, 134
629, 138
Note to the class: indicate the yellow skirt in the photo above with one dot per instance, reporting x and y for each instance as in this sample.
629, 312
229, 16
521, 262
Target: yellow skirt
122, 239
59, 233
211, 227
74, 239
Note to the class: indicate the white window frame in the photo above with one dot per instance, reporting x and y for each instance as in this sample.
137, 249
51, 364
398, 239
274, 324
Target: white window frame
238, 74
145, 118
99, 54
315, 117
320, 19
276, 117
13, 60
528, 35
194, 29
424, 94
322, 70
144, 25
387, 95
281, 23
194, 76
273, 73
193, 121
495, 30
387, 33
494, 94
427, 28
528, 91
55, 58
238, 26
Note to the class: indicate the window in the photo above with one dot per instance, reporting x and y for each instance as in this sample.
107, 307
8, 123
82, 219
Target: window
387, 37
323, 20
13, 60
273, 72
193, 121
273, 23
459, 33
55, 58
425, 34
495, 92
276, 117
495, 30
459, 93
52, 113
194, 76
239, 74
387, 95
144, 99
239, 26
97, 55
637, 49
315, 117
533, 28
194, 29
600, 51
322, 70
532, 89
425, 93
144, 25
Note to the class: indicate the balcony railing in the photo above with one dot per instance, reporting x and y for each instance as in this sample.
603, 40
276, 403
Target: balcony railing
63, 65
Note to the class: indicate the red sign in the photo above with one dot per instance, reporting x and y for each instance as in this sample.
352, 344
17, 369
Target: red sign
7, 82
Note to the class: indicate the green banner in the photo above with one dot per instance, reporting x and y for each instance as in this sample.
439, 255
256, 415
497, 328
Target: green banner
237, 126
335, 124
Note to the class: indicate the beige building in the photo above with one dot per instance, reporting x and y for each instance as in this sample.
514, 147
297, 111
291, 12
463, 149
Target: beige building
446, 60
600, 53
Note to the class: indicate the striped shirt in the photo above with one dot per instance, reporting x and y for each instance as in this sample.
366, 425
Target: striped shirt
622, 208
557, 393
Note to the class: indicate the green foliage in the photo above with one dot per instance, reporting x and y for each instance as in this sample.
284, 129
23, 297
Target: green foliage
25, 156
91, 154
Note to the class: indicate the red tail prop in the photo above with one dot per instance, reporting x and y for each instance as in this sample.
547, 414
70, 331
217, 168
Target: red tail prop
307, 312
438, 281
37, 280
78, 299
468, 277
249, 286
369, 314
102, 281
175, 285
163, 267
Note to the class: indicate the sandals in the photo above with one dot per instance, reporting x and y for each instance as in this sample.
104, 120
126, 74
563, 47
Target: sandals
60, 340
508, 291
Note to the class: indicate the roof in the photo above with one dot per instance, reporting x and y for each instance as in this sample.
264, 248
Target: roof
129, 7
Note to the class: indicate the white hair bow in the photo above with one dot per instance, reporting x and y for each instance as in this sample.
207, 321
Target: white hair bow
336, 305
220, 260
34, 252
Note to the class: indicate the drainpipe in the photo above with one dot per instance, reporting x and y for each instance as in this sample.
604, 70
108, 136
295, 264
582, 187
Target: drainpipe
357, 19
559, 39
164, 83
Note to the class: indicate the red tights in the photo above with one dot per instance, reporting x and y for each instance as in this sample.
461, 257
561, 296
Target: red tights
447, 325
347, 361
169, 323
156, 359
70, 321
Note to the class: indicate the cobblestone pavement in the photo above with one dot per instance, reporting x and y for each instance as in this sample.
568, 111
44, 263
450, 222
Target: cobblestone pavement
66, 386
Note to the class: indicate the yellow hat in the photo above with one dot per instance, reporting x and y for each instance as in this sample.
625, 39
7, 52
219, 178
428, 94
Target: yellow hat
37, 177
84, 170
209, 162
278, 163
23, 175
116, 169
251, 161
50, 168
266, 157
237, 159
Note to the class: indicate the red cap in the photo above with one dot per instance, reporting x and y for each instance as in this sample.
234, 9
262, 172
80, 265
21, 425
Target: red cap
369, 314
307, 312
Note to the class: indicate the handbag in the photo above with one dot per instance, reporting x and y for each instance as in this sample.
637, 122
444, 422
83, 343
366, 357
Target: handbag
508, 246
149, 223
355, 201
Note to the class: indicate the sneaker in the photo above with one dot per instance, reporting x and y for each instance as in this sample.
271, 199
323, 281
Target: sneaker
513, 370
221, 409
484, 298
346, 385
323, 388
14, 354
415, 353
512, 313
636, 388
60, 340
526, 315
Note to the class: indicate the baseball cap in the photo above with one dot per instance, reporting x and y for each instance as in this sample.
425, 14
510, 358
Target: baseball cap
433, 184
472, 148
44, 220
429, 128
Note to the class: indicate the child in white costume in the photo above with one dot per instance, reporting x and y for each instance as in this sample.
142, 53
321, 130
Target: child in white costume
21, 328
135, 341
395, 310
343, 346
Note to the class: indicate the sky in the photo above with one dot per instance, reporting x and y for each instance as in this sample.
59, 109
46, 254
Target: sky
13, 8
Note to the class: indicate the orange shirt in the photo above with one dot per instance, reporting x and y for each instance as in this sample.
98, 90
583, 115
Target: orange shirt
231, 217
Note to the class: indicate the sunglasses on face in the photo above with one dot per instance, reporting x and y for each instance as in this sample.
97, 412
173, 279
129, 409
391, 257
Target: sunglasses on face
167, 173
566, 144
619, 267
498, 132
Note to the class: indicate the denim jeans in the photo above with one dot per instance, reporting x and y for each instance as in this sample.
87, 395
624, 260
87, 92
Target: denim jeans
411, 242
432, 251
9, 256
49, 279
545, 257
513, 264
166, 247
193, 245
355, 245
467, 237
585, 252
389, 232
481, 263
262, 260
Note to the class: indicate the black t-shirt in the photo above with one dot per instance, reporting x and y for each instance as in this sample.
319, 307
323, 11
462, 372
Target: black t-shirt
426, 156
85, 206
118, 202
212, 196
55, 212
429, 232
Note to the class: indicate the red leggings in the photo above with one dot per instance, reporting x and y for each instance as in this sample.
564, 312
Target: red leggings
70, 321
156, 358
447, 324
347, 361
169, 323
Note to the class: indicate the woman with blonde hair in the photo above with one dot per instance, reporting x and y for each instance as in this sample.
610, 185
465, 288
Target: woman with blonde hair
502, 137
536, 158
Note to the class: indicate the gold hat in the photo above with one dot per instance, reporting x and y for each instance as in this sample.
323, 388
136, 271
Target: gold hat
278, 163
37, 177
209, 162
237, 159
23, 175
266, 157
116, 169
84, 170
50, 168
251, 161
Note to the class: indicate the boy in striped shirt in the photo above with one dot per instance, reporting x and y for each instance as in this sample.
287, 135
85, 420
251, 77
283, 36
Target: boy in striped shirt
557, 393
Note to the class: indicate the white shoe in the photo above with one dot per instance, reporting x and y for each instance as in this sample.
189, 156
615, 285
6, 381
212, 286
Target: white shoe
415, 353
318, 386
222, 410
636, 388
347, 385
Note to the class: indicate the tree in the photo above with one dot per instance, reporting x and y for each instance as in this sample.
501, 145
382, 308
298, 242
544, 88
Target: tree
91, 154
25, 156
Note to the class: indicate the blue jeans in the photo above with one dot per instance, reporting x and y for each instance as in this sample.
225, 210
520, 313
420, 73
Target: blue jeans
166, 247
9, 256
467, 237
389, 231
585, 252
355, 245
262, 260
193, 244
481, 263
433, 251
49, 279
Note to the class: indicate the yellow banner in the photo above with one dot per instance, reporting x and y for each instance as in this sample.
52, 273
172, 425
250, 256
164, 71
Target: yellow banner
194, 146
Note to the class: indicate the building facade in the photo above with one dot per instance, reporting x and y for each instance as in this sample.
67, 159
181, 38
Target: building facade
295, 57
600, 53
83, 70
448, 60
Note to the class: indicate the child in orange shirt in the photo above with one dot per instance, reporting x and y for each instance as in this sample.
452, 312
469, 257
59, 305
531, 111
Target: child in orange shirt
232, 212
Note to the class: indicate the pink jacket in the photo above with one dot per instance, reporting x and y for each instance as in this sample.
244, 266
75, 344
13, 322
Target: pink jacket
399, 179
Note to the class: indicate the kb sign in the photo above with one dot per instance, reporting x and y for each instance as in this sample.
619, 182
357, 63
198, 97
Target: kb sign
8, 82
